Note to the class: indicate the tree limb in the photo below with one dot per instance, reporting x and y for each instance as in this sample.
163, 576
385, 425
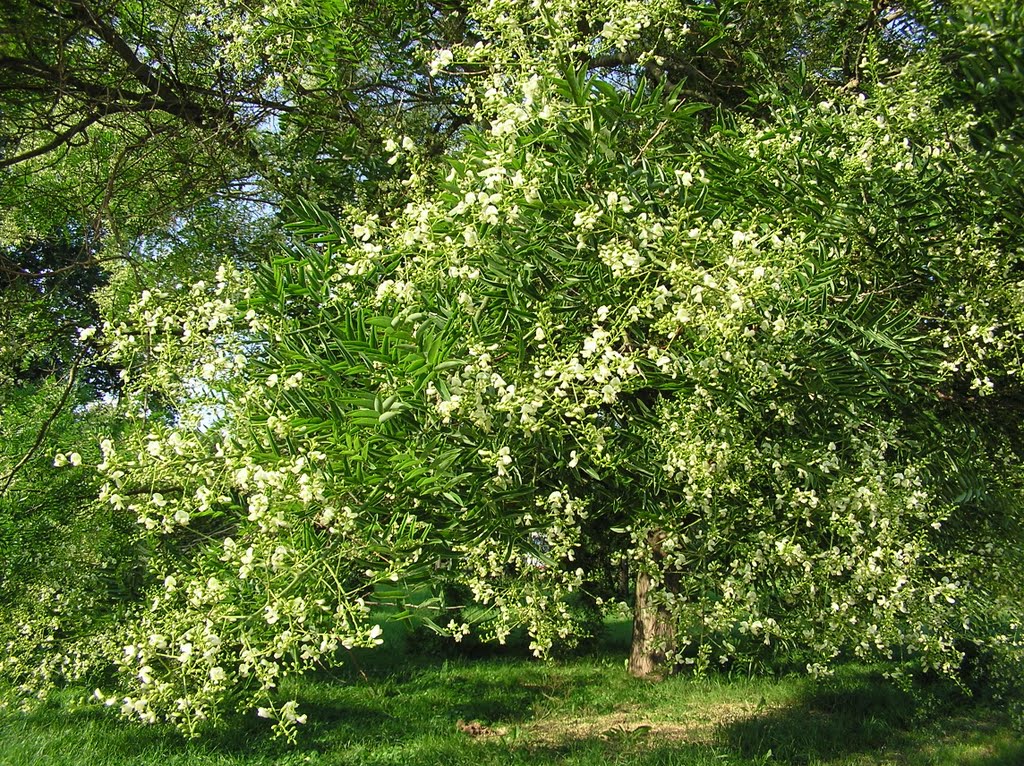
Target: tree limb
59, 140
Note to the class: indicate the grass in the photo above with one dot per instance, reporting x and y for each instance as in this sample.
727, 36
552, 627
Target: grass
395, 707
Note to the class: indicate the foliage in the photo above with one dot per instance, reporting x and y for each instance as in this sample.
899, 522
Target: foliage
122, 116
70, 566
67, 563
673, 285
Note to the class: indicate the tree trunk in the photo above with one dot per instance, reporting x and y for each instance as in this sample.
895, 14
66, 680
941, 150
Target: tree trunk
653, 628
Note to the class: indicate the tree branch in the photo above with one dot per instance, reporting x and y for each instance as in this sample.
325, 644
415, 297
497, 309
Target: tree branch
140, 71
611, 60
59, 140
72, 373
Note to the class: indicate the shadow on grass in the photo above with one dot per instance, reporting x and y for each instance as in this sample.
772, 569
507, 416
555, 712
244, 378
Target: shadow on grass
575, 713
867, 719
234, 734
385, 708
374, 703
828, 723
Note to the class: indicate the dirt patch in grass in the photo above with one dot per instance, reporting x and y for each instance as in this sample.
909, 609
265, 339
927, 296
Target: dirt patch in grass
695, 725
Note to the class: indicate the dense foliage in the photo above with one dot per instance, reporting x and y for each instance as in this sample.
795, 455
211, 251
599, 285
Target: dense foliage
730, 296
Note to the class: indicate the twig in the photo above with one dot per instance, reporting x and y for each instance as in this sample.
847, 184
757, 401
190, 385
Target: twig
46, 426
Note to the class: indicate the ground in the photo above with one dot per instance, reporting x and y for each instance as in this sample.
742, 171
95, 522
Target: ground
392, 707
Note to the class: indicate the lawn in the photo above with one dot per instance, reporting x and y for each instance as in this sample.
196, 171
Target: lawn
399, 707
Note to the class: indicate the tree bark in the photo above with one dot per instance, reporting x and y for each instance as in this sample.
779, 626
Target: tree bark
653, 627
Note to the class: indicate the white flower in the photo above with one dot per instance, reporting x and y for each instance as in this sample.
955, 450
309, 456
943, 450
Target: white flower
289, 710
84, 333
489, 214
443, 58
158, 641
75, 459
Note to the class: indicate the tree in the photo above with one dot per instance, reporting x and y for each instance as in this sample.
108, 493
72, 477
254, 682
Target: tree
749, 327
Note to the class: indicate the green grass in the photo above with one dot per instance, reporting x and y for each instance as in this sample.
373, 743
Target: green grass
389, 707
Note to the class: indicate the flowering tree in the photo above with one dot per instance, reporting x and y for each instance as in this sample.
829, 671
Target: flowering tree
760, 355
